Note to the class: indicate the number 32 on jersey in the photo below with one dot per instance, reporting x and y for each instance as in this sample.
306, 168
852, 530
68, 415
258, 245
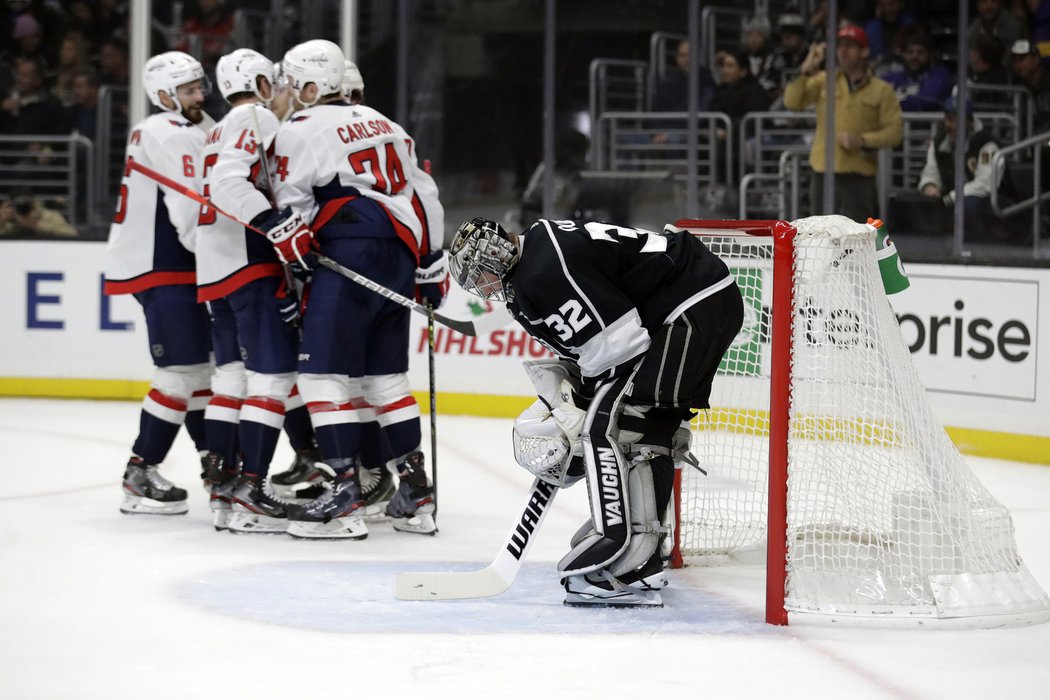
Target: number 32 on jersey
571, 320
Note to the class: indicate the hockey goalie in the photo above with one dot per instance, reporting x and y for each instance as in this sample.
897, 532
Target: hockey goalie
639, 322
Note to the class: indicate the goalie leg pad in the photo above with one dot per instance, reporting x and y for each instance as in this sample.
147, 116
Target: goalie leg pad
606, 474
585, 531
646, 526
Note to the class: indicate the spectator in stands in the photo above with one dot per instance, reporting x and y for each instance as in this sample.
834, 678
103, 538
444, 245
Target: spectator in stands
986, 62
1030, 72
72, 58
83, 111
24, 216
29, 39
938, 176
570, 158
923, 85
672, 93
111, 17
1039, 11
867, 118
210, 24
113, 62
793, 47
739, 91
80, 17
30, 108
993, 21
886, 33
758, 50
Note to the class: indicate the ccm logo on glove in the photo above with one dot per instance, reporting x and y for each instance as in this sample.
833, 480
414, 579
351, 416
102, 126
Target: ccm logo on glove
292, 239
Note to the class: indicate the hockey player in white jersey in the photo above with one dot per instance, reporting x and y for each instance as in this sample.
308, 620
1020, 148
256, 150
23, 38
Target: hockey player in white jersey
353, 84
377, 485
640, 321
352, 173
150, 255
253, 312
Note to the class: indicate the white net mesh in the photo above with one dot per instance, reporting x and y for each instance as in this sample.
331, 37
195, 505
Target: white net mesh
884, 515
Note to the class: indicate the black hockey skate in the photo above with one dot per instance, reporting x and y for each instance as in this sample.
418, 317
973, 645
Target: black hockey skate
334, 515
211, 466
307, 473
412, 507
223, 480
147, 492
254, 510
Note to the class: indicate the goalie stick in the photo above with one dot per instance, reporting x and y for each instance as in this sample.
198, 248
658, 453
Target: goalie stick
497, 576
486, 324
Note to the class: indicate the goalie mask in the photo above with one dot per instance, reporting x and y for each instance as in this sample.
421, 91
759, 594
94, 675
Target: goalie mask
240, 70
316, 61
481, 257
166, 72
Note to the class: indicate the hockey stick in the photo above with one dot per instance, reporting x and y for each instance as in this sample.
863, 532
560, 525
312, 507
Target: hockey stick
485, 324
497, 576
433, 407
433, 392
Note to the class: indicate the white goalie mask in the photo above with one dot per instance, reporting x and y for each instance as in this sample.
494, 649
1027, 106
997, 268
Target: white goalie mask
480, 258
239, 72
352, 80
167, 71
316, 61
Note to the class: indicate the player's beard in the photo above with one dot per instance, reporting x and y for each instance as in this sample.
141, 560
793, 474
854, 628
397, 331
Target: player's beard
194, 113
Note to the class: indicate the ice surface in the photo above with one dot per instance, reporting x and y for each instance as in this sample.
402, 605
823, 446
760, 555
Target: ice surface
96, 604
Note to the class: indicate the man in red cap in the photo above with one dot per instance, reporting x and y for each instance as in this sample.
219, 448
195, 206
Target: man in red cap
867, 118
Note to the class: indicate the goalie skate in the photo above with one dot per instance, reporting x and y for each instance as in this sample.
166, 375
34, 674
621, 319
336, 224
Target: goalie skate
412, 507
147, 492
335, 515
605, 590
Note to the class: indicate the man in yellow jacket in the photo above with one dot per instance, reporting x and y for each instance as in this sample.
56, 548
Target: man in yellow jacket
867, 118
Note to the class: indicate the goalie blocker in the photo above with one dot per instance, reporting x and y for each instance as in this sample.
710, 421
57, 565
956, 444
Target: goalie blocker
641, 321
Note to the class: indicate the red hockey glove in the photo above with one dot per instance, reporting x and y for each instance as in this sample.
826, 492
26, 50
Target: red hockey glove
292, 239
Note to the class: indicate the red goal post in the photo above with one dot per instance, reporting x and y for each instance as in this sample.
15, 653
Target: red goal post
821, 446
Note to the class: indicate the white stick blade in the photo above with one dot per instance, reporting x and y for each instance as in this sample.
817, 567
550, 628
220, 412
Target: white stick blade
449, 585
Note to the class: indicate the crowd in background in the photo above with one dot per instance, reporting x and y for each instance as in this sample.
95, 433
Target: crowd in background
60, 55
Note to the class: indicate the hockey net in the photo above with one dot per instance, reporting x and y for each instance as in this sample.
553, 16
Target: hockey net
821, 442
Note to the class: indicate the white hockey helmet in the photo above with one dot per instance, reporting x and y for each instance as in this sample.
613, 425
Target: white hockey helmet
352, 80
481, 257
316, 61
239, 71
169, 70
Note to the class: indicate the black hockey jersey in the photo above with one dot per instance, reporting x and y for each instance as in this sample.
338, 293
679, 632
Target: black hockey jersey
595, 292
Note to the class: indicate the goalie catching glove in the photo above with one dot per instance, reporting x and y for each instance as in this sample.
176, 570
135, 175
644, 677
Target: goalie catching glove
291, 237
432, 279
546, 434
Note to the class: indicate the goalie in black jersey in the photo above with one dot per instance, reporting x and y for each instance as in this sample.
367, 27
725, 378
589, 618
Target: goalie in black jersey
639, 322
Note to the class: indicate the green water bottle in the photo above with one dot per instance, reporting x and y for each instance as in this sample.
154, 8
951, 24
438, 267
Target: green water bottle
894, 278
